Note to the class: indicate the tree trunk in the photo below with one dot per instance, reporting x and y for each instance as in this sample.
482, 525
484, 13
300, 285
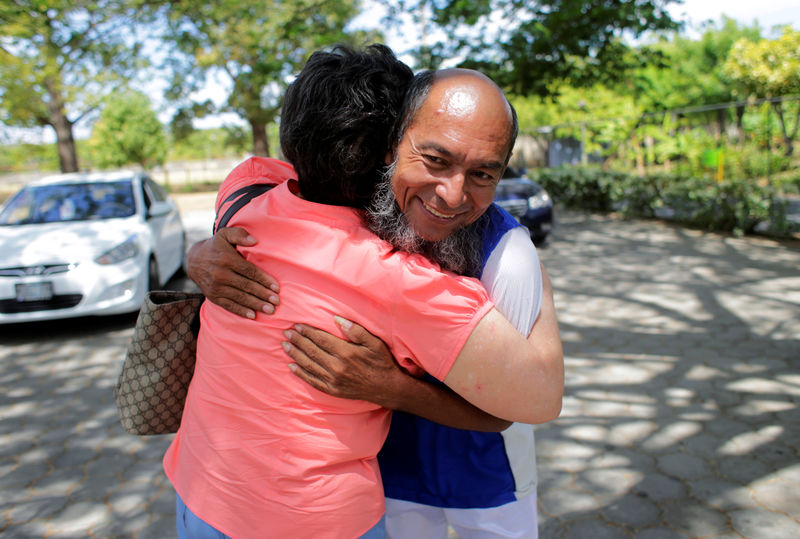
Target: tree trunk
260, 141
67, 156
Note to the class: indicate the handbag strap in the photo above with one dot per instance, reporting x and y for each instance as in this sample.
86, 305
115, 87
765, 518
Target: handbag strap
240, 197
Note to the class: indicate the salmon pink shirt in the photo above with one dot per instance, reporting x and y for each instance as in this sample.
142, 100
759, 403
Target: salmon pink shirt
262, 454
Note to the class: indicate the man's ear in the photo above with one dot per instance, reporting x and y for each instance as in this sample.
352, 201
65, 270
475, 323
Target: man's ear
389, 157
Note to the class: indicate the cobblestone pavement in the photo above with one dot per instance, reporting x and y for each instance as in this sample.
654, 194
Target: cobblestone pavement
680, 420
682, 384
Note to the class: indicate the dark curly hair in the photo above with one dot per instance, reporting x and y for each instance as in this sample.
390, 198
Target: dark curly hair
337, 120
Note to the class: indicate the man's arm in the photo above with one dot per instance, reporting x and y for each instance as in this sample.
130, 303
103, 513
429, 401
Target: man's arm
504, 374
226, 290
372, 374
363, 368
226, 278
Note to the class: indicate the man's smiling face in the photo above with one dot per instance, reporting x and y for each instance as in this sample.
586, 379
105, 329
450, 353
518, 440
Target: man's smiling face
451, 157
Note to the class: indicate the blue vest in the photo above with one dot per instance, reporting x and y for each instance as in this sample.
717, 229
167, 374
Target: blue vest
428, 463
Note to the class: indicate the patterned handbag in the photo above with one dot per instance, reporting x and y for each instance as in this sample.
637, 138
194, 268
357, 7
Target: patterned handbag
159, 363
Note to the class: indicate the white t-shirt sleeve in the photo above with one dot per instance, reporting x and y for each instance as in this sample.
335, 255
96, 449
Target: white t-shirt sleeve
513, 277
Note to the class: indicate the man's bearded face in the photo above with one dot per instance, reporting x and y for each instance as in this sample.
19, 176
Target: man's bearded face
460, 252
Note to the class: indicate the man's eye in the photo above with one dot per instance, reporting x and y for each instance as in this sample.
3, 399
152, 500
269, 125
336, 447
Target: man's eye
483, 178
434, 159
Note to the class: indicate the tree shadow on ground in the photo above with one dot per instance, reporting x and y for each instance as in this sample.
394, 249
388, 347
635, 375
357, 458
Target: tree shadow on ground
681, 353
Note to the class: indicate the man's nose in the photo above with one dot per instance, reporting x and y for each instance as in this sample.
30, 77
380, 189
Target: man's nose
451, 190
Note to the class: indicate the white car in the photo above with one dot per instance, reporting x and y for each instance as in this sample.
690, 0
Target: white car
86, 244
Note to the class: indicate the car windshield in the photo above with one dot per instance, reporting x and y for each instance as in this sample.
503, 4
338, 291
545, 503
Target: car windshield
69, 202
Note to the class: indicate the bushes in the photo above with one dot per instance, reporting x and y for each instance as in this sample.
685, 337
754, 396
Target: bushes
731, 205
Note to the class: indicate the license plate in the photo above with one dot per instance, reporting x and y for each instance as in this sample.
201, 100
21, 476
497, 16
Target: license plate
34, 291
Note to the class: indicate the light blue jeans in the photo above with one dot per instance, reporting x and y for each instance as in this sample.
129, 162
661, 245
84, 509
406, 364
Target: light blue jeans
190, 526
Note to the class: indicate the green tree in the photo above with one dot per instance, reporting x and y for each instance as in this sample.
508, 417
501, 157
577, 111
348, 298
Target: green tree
689, 71
128, 131
257, 46
769, 69
59, 58
534, 47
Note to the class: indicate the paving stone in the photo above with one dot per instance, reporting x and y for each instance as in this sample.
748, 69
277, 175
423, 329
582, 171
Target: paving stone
593, 529
566, 501
631, 432
694, 519
703, 445
33, 508
26, 530
659, 533
720, 494
684, 466
753, 522
155, 530
742, 469
609, 481
78, 516
632, 512
658, 487
57, 481
777, 494
23, 475
672, 434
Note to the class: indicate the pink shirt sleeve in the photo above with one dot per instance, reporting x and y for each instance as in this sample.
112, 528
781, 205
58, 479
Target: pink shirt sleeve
435, 316
255, 170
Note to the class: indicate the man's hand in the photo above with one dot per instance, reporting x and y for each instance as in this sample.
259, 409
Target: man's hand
363, 368
227, 279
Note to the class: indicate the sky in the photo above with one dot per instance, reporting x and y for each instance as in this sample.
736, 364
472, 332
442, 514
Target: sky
767, 12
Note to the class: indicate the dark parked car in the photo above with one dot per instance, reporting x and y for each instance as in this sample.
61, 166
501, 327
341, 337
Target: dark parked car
527, 201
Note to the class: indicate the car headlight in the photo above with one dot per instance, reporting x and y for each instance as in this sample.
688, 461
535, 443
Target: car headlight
539, 200
125, 250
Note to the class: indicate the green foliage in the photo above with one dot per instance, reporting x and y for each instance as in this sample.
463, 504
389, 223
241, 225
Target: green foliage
60, 58
688, 72
128, 131
24, 157
753, 162
226, 141
542, 44
588, 188
258, 46
766, 68
787, 182
769, 68
733, 205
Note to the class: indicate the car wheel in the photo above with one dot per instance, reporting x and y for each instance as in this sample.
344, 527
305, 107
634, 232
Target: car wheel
152, 275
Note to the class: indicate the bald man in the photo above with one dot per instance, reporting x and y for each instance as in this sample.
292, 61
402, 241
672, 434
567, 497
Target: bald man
454, 142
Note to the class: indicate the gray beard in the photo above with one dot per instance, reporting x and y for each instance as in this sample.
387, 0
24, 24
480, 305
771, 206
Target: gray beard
460, 252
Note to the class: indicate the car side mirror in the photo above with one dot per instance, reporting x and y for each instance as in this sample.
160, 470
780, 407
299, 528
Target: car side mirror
158, 209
